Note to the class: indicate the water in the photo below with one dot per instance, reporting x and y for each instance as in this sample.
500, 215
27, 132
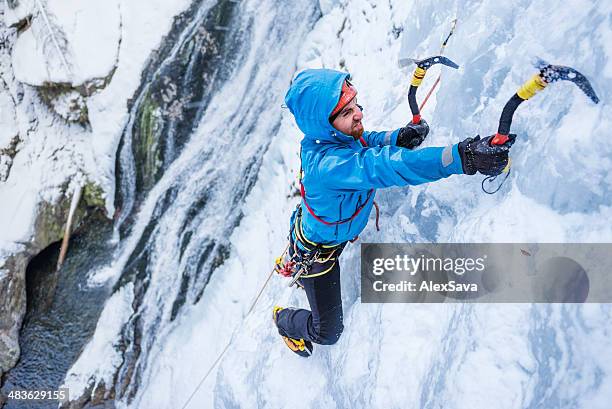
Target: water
177, 84
62, 311
189, 156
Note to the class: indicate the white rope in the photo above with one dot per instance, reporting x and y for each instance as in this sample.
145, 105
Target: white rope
233, 335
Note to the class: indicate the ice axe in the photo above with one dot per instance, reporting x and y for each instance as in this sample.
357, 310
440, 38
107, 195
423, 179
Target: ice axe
404, 62
417, 77
548, 74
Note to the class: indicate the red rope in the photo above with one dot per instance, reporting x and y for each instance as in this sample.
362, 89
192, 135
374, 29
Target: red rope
429, 93
303, 193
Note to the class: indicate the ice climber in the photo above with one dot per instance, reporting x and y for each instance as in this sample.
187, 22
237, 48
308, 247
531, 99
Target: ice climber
342, 166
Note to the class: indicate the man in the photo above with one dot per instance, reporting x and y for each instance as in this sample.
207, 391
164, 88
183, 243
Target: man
342, 166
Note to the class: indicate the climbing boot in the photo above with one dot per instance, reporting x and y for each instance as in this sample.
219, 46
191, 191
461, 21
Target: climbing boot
299, 346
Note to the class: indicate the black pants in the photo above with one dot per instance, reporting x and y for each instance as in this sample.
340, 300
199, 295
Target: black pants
323, 324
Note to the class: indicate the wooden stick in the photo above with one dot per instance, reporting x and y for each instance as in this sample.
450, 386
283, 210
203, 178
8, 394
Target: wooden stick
76, 197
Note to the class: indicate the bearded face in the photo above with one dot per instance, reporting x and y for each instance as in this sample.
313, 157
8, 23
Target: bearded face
348, 121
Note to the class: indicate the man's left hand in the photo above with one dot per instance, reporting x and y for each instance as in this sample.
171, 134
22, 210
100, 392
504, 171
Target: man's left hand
412, 135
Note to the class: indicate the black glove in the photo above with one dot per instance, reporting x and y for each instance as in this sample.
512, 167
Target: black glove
412, 135
479, 155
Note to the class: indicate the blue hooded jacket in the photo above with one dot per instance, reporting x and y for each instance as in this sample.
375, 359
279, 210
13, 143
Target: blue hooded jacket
339, 172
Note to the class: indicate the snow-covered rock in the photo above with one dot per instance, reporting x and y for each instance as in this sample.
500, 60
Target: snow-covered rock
9, 132
9, 129
17, 12
68, 41
67, 49
12, 306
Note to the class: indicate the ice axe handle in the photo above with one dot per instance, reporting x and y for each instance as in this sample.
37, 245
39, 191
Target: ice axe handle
416, 119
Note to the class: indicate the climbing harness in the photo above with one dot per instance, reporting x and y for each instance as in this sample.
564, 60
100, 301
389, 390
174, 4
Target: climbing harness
547, 74
303, 254
357, 211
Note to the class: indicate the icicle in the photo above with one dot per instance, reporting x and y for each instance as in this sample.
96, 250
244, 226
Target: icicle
76, 197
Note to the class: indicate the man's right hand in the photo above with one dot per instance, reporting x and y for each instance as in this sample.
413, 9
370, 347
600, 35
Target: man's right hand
412, 135
478, 155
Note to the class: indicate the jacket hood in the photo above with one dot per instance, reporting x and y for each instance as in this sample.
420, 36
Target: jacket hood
311, 98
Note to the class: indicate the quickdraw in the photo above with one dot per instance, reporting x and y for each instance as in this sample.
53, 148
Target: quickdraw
297, 260
547, 74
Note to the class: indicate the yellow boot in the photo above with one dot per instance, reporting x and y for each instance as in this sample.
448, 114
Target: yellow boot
298, 346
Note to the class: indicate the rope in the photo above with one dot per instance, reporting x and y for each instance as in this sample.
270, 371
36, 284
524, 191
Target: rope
490, 179
431, 90
222, 354
433, 87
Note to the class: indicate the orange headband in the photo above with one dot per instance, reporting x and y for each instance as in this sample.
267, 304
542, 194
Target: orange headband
347, 94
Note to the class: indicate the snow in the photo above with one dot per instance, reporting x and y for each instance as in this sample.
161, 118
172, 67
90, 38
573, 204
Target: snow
7, 119
84, 44
19, 11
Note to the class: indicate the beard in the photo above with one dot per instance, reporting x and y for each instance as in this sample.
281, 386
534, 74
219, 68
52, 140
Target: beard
357, 131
